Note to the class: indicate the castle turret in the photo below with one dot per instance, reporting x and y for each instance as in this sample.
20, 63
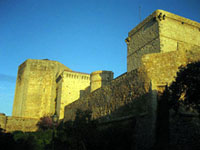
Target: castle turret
99, 79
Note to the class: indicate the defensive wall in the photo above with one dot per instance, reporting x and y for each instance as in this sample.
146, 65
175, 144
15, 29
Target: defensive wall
10, 123
161, 68
134, 95
157, 71
127, 96
106, 100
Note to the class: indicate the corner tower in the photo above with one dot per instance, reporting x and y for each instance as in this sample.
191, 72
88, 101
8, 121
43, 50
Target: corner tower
35, 92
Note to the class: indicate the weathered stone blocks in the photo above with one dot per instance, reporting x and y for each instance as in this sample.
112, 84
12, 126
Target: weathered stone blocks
70, 87
35, 91
159, 33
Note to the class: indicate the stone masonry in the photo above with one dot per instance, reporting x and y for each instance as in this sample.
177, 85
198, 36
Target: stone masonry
35, 91
161, 32
70, 87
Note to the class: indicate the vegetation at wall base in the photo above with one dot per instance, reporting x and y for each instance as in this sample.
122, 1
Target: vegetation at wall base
80, 134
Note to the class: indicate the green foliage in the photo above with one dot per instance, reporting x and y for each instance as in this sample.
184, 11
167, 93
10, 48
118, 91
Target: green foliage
81, 134
32, 140
184, 91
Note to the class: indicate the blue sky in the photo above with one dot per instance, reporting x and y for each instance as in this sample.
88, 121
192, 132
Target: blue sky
84, 35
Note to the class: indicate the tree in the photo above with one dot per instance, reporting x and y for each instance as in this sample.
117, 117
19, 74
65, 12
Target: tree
185, 90
77, 134
6, 140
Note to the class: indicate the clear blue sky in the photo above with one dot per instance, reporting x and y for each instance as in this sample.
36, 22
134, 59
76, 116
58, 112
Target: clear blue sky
84, 35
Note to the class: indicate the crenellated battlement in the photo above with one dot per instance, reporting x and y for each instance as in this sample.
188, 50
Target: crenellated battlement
76, 75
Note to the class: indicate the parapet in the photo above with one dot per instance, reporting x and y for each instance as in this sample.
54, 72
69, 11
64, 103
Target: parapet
160, 15
99, 79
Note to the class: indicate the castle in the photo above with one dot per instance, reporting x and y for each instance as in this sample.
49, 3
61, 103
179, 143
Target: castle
45, 87
156, 48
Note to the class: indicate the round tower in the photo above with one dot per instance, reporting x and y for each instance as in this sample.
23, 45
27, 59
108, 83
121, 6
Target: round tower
99, 79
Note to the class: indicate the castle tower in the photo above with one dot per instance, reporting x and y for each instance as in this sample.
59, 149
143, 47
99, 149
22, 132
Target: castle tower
161, 32
35, 92
99, 79
70, 87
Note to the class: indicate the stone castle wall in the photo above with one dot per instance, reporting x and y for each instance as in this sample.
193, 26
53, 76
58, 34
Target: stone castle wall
161, 68
136, 93
71, 86
127, 96
119, 93
11, 124
143, 39
21, 124
36, 88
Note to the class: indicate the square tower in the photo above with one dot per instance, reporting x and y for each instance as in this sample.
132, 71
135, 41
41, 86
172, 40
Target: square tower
161, 32
35, 92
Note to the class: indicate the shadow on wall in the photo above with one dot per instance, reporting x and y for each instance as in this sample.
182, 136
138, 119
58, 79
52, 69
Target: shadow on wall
85, 133
125, 101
